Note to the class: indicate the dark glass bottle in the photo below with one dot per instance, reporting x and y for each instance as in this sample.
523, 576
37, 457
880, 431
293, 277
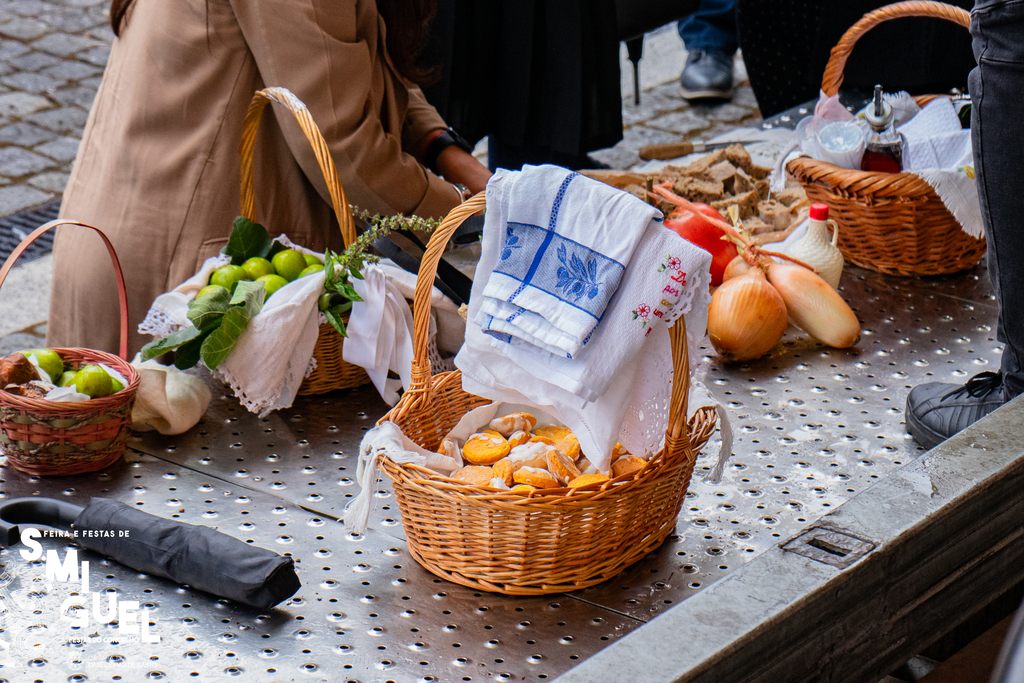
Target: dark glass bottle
884, 147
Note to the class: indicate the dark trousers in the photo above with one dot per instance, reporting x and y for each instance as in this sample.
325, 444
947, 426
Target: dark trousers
997, 130
711, 28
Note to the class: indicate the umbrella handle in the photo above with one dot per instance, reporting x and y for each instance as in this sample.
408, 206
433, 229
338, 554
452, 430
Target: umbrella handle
58, 514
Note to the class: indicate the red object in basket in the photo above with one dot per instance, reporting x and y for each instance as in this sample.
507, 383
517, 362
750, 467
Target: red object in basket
707, 237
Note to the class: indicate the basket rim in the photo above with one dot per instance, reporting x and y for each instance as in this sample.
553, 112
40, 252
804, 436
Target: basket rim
96, 405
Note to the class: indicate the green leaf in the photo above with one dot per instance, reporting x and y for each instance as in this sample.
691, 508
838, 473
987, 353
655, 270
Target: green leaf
356, 273
247, 240
336, 320
159, 347
250, 295
205, 311
187, 355
222, 340
349, 292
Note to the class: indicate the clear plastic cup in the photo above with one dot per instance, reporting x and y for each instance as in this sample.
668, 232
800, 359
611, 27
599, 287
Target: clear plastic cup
841, 143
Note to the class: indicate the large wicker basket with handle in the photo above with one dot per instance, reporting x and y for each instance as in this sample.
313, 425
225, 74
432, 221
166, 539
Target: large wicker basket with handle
891, 222
550, 540
332, 372
44, 437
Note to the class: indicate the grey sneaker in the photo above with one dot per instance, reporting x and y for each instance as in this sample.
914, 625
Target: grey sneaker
706, 75
937, 411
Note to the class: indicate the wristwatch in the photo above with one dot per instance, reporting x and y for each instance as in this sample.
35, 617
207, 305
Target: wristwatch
442, 142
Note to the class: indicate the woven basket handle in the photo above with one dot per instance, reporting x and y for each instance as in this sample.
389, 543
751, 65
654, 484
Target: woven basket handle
676, 433
833, 77
284, 97
122, 295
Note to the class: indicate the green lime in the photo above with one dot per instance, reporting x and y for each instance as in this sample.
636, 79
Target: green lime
257, 267
312, 260
67, 378
228, 276
272, 283
117, 385
309, 270
94, 381
288, 264
209, 289
49, 361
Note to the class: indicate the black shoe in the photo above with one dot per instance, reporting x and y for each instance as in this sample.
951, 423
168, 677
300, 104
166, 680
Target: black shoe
706, 75
937, 411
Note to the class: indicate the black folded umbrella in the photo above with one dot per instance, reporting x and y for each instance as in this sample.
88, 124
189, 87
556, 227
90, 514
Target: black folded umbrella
185, 553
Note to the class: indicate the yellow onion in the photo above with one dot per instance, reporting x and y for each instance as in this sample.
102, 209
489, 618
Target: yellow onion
814, 306
746, 317
738, 266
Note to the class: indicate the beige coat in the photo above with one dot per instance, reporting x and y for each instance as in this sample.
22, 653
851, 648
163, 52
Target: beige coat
158, 167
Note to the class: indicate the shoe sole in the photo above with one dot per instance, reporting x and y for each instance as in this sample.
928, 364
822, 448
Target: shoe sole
705, 94
923, 434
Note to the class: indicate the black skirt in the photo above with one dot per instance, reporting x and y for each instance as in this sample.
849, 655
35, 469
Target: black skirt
539, 75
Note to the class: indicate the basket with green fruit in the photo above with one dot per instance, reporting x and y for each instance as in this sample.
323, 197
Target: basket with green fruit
66, 411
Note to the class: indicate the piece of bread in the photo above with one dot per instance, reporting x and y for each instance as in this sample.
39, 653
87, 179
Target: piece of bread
484, 449
535, 476
699, 190
503, 470
513, 422
474, 475
562, 467
746, 203
517, 438
775, 214
530, 454
587, 480
627, 464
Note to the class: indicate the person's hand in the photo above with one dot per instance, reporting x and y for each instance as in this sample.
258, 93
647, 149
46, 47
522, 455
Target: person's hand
462, 168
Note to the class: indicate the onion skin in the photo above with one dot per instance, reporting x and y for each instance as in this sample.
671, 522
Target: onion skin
738, 266
746, 318
814, 306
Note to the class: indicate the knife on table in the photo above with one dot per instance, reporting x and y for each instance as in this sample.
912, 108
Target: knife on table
681, 149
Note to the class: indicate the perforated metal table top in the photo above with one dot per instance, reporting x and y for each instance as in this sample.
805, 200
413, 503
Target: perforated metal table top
814, 426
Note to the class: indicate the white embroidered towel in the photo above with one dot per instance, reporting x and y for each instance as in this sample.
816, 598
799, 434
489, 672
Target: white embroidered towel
488, 371
666, 271
169, 311
565, 241
380, 333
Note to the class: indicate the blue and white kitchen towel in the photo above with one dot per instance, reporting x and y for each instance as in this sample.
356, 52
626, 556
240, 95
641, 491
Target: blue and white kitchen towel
567, 239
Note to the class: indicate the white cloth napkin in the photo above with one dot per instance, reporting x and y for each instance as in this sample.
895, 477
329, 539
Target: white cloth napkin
940, 153
565, 241
380, 333
666, 271
168, 400
488, 371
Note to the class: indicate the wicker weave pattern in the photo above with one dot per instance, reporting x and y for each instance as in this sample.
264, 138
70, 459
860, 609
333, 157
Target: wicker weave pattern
332, 372
552, 540
43, 437
891, 222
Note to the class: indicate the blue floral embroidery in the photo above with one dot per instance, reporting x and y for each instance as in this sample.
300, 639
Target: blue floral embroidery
511, 240
576, 278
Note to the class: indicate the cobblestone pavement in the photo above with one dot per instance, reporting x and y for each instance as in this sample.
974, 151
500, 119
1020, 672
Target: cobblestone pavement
52, 54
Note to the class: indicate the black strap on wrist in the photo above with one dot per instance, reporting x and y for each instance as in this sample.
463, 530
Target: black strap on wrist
442, 142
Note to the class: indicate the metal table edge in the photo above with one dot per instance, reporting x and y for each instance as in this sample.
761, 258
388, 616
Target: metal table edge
946, 533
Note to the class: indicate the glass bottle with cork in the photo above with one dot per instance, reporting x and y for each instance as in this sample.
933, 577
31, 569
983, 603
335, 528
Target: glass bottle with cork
884, 147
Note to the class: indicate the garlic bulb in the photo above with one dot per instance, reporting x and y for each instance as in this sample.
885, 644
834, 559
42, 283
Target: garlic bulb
746, 317
814, 306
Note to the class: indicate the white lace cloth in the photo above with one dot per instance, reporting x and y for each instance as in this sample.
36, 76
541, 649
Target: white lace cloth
632, 410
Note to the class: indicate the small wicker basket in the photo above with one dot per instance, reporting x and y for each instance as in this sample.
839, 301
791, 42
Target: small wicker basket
891, 222
549, 541
332, 372
43, 437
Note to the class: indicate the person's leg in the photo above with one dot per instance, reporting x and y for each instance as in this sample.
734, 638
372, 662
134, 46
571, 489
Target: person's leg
936, 411
709, 35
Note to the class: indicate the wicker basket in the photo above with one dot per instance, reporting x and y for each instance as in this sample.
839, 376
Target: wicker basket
43, 437
332, 372
891, 222
550, 541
